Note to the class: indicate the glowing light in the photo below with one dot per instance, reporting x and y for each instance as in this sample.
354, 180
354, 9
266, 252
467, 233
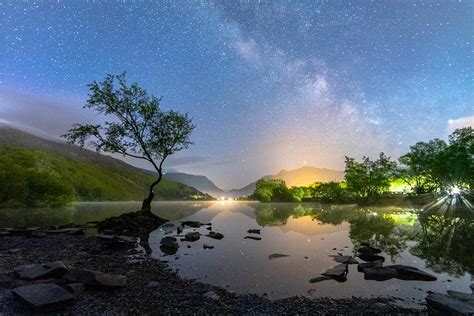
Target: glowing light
454, 190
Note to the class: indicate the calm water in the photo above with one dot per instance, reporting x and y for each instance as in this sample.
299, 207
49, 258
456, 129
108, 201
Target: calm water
308, 233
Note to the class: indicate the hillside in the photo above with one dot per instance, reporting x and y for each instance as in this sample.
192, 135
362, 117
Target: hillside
307, 175
201, 183
33, 177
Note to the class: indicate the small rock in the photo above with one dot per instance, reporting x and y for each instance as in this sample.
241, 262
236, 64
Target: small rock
367, 257
168, 225
44, 296
252, 237
154, 284
209, 228
320, 279
41, 271
179, 229
192, 236
345, 259
212, 295
206, 246
276, 256
380, 273
253, 231
215, 235
191, 224
169, 242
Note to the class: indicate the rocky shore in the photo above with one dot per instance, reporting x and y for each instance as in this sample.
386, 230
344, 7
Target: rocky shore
108, 274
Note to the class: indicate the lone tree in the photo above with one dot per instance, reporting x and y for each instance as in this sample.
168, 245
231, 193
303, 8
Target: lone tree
138, 128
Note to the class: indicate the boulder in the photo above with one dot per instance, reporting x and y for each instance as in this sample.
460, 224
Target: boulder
320, 279
253, 231
41, 271
368, 257
44, 296
169, 245
453, 303
380, 273
96, 279
192, 236
411, 273
369, 250
215, 235
338, 272
276, 256
372, 264
179, 229
253, 237
345, 259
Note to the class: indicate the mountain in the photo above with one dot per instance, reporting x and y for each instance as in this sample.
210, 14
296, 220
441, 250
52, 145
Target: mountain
307, 175
37, 171
246, 190
201, 183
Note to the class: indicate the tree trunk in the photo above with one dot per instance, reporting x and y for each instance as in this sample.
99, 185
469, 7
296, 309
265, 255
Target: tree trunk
146, 205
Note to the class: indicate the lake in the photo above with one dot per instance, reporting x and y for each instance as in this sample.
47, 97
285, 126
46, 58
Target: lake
308, 233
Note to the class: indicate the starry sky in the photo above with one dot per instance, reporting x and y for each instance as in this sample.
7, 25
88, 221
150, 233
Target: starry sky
270, 84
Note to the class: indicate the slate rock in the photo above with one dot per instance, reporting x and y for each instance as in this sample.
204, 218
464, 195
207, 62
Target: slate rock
191, 224
345, 259
371, 264
69, 231
41, 271
276, 256
169, 242
215, 235
179, 229
411, 273
75, 289
206, 246
338, 272
368, 257
192, 236
453, 303
96, 279
380, 273
44, 296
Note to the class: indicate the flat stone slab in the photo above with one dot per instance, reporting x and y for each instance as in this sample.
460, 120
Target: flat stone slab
46, 296
41, 271
369, 250
455, 303
96, 279
253, 237
369, 257
338, 272
253, 231
215, 235
320, 279
365, 265
411, 273
192, 236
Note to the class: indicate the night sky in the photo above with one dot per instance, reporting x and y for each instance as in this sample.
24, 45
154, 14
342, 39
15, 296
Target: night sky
270, 84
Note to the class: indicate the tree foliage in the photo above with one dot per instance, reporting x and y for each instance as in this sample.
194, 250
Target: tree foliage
137, 127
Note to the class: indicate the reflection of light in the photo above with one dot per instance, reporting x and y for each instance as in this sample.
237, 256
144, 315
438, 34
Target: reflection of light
454, 190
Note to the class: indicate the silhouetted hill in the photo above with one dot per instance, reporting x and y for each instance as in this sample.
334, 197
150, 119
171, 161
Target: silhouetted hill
201, 183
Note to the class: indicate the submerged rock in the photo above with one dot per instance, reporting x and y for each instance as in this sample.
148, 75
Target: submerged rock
179, 229
192, 236
41, 271
455, 303
44, 296
411, 273
338, 272
253, 237
372, 264
253, 231
169, 245
320, 279
380, 273
215, 235
206, 246
345, 259
192, 224
96, 279
75, 289
276, 256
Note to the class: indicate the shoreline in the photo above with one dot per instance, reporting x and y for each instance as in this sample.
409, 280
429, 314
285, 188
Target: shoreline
152, 288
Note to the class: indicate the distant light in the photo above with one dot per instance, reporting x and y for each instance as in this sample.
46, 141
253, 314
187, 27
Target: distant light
222, 198
231, 199
454, 190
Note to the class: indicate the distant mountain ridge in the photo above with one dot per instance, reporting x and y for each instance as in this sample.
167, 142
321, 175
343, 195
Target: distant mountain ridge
196, 181
307, 175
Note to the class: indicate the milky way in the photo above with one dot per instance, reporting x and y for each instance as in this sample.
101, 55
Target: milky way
270, 84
